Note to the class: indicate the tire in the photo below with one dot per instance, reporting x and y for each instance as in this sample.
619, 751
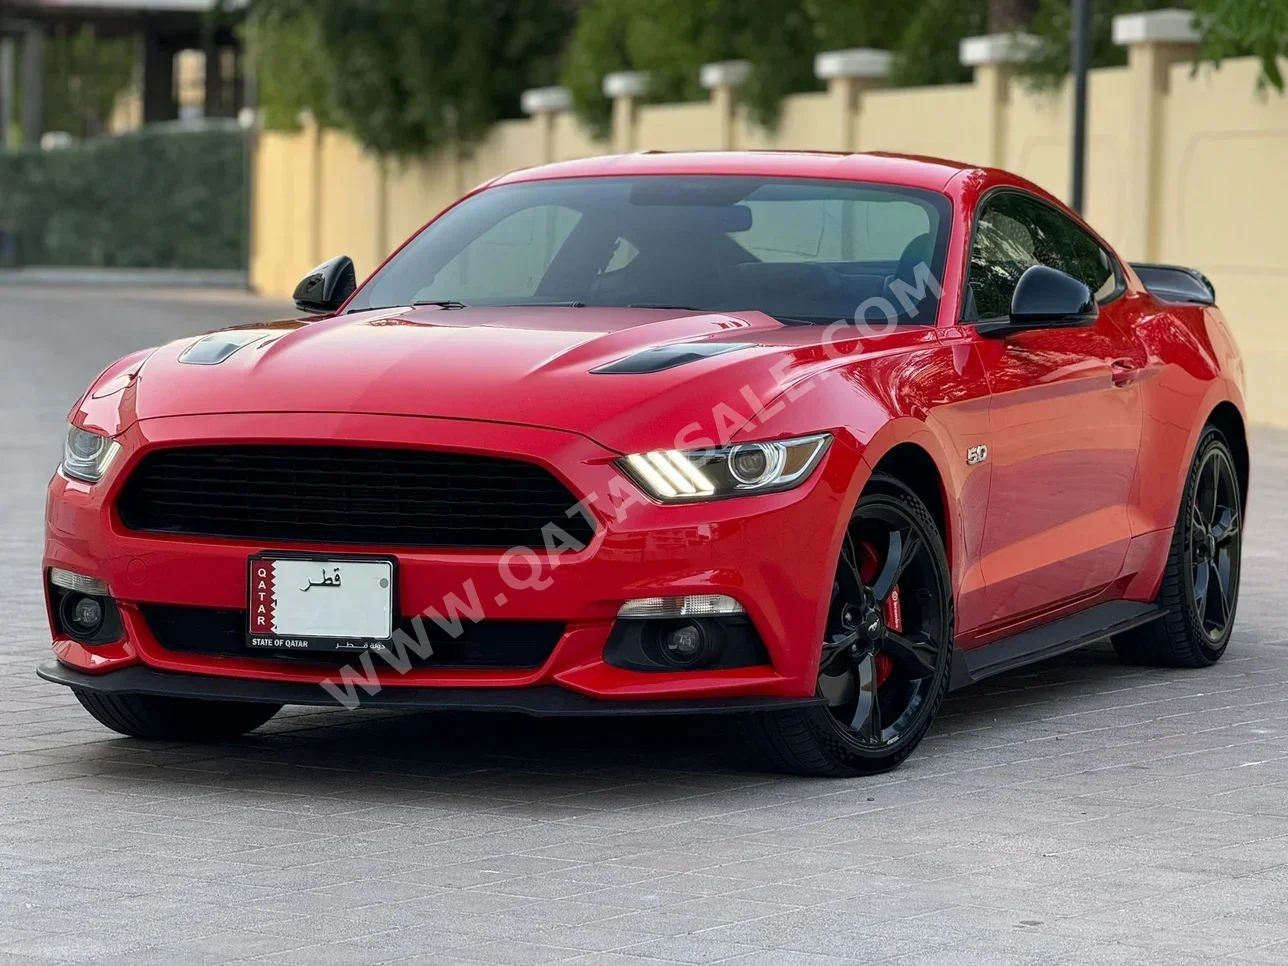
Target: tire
811, 741
1182, 638
158, 718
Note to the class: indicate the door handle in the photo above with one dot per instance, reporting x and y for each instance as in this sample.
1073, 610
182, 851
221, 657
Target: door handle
1124, 371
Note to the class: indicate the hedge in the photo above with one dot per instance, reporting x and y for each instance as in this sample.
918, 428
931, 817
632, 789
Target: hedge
162, 197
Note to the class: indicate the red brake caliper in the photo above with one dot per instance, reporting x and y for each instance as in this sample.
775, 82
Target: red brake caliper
869, 567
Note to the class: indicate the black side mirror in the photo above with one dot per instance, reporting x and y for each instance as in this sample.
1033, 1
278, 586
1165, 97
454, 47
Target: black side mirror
1046, 298
327, 287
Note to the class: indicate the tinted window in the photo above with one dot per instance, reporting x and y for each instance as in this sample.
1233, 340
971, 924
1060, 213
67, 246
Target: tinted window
813, 251
512, 256
1016, 232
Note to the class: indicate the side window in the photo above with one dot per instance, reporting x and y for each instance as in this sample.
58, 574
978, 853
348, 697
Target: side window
509, 259
1014, 233
1091, 264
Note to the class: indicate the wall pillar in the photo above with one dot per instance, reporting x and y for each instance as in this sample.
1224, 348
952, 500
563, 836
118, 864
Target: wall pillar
625, 88
848, 74
993, 58
1155, 41
542, 104
723, 79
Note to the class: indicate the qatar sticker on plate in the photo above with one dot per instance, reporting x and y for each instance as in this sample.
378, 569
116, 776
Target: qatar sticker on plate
299, 603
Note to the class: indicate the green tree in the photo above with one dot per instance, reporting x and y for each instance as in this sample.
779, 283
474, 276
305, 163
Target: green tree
1234, 28
672, 39
1228, 28
84, 76
408, 77
1006, 16
599, 46
291, 65
1053, 24
928, 49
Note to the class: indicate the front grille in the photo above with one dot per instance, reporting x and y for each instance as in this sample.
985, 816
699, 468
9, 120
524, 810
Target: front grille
342, 495
482, 644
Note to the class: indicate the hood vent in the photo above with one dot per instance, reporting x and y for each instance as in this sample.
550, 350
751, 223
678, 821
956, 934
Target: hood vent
214, 349
669, 356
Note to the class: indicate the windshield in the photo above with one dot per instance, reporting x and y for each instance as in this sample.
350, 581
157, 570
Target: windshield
798, 250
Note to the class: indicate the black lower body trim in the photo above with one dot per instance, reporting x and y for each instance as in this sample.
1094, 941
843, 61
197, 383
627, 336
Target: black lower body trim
546, 701
1098, 623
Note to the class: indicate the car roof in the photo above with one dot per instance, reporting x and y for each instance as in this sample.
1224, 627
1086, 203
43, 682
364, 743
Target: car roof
900, 169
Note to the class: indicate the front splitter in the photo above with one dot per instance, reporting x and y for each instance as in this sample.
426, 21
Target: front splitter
543, 701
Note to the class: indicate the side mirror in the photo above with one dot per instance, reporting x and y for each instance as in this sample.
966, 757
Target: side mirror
1046, 298
327, 287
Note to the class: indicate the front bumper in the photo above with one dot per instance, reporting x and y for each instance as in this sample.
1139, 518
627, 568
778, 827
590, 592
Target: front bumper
775, 554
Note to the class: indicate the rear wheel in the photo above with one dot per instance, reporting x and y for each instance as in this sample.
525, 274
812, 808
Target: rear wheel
175, 719
884, 664
1201, 582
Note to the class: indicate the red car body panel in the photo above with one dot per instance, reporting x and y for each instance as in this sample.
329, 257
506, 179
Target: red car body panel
1089, 433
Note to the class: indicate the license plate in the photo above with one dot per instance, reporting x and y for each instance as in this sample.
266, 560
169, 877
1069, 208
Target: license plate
299, 603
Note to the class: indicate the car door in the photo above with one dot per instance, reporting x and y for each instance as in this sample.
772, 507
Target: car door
1065, 419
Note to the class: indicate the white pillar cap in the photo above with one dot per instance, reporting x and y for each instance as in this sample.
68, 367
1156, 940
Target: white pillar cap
1155, 27
855, 62
545, 100
725, 73
997, 49
626, 83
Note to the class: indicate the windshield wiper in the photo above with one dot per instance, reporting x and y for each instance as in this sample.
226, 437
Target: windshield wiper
441, 303
665, 305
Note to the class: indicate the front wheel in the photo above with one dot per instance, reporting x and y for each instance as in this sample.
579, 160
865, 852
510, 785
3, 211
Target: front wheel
885, 655
174, 719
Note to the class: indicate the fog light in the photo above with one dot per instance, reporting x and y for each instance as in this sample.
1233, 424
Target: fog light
85, 614
684, 644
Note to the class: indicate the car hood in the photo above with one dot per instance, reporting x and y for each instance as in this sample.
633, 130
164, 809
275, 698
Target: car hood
531, 366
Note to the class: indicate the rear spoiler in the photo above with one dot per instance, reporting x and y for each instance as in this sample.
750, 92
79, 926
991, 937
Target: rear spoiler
1176, 284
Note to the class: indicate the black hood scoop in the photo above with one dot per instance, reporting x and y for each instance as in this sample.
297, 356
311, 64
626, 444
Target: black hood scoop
669, 356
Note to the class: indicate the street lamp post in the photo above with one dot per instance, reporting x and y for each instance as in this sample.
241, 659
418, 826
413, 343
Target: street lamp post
1081, 61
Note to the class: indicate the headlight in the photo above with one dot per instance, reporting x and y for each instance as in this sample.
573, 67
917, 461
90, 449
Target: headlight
86, 456
675, 476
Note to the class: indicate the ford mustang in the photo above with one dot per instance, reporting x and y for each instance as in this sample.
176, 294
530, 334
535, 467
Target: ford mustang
808, 440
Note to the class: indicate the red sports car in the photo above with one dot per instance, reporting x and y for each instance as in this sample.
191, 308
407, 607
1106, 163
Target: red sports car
809, 439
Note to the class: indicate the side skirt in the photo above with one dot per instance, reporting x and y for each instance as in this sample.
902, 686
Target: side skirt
1091, 626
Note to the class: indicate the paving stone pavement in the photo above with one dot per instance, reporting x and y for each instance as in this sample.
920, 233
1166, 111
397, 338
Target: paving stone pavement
1078, 812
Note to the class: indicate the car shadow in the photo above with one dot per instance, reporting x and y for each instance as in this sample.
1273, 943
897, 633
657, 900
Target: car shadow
386, 756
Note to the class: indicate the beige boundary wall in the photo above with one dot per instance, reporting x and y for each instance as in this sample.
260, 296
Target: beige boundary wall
1184, 167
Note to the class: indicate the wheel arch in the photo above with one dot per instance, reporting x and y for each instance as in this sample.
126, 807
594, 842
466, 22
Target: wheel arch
1227, 418
913, 462
914, 468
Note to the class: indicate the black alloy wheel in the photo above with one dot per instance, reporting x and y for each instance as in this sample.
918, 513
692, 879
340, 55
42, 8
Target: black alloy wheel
1216, 538
1200, 589
885, 658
